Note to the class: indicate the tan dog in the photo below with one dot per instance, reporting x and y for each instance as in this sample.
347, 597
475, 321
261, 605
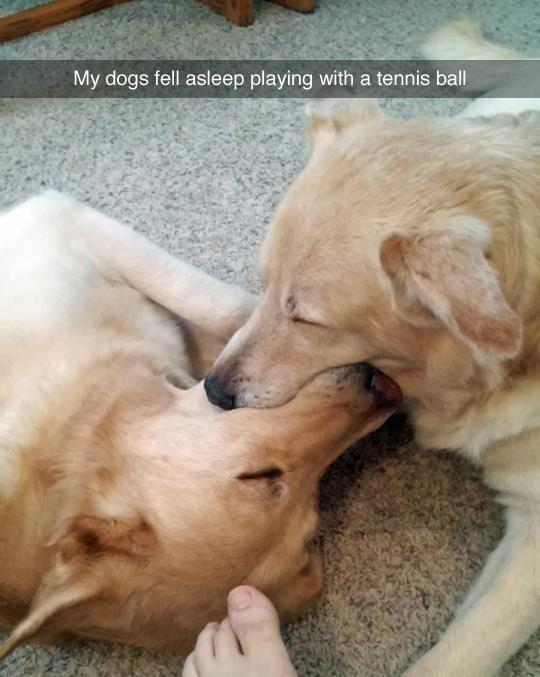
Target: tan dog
415, 245
129, 507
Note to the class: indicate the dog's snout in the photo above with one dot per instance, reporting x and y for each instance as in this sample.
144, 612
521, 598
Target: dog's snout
217, 393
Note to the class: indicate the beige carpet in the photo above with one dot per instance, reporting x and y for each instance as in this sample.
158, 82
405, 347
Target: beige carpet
404, 532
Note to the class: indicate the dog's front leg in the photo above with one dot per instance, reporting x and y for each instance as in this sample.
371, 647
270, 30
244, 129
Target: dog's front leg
502, 613
120, 253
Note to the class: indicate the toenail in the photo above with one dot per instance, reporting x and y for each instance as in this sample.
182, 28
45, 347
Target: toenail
240, 599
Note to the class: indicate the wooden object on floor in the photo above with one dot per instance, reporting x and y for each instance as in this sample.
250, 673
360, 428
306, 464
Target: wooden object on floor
239, 12
49, 14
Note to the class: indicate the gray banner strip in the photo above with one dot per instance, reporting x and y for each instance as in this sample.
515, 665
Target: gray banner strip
268, 79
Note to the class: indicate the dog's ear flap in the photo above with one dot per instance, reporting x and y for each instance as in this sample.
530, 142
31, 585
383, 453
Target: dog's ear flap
445, 274
77, 575
328, 117
58, 591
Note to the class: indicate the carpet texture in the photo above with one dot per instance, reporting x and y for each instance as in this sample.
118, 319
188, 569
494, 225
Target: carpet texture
404, 531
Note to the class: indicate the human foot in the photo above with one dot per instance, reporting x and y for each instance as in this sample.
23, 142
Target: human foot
246, 644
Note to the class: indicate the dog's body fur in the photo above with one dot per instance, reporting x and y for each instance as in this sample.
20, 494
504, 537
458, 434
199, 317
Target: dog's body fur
130, 507
415, 245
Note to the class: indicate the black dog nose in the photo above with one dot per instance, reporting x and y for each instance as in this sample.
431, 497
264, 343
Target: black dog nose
217, 394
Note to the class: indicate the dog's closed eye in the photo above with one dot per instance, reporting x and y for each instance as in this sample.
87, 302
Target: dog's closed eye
266, 483
273, 473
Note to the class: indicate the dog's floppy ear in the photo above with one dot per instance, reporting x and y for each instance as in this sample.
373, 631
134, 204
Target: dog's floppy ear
445, 273
78, 575
329, 117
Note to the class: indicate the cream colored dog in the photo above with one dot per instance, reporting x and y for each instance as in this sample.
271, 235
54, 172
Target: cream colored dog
415, 245
128, 506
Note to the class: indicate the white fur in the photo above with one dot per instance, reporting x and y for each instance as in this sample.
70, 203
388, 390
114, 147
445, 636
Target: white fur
60, 260
463, 40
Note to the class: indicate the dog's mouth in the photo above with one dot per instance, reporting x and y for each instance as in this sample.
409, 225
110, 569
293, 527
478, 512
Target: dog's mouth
386, 392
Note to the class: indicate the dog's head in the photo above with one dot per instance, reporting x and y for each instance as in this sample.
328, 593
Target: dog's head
381, 252
163, 503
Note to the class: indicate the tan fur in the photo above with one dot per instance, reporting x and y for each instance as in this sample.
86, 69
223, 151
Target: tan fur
392, 177
130, 507
415, 245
